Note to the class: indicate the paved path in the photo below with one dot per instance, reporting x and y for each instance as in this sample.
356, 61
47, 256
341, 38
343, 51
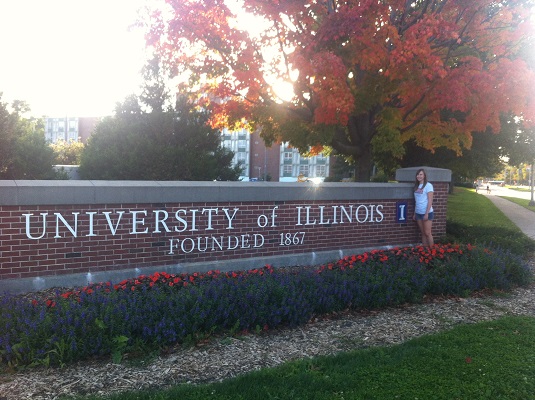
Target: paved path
520, 216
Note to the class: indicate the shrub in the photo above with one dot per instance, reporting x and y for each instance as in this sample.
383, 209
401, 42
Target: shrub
161, 309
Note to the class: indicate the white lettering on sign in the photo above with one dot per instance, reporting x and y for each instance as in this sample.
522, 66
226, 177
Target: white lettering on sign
215, 243
28, 234
289, 239
229, 217
339, 214
136, 222
184, 220
113, 228
401, 211
192, 220
263, 220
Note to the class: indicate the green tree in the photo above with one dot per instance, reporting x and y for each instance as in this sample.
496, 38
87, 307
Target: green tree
155, 92
340, 170
9, 130
149, 139
160, 145
488, 155
520, 146
24, 153
484, 158
67, 152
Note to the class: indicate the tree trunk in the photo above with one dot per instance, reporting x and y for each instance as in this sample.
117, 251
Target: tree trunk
364, 165
355, 141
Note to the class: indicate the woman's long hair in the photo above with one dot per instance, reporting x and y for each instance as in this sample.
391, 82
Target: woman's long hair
416, 183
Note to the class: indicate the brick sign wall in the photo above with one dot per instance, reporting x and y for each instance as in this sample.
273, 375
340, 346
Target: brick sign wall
66, 237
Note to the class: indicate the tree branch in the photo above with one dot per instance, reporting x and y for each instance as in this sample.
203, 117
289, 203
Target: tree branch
416, 121
411, 110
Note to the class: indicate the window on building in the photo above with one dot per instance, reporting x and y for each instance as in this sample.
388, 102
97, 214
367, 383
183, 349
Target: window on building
303, 169
286, 146
304, 159
287, 170
321, 171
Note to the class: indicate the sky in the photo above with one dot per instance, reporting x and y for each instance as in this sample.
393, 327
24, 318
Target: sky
77, 58
70, 57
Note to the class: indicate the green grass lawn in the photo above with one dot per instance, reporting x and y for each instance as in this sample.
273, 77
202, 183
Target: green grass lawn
520, 188
491, 360
468, 208
472, 218
521, 202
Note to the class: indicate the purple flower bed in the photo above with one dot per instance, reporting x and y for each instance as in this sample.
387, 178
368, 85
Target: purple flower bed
152, 312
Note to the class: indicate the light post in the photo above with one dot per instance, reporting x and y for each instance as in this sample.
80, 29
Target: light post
531, 202
258, 168
265, 162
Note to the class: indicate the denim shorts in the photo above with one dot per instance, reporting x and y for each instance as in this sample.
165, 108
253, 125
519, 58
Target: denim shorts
420, 217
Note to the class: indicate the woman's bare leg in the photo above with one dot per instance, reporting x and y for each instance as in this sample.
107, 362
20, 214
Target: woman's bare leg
426, 230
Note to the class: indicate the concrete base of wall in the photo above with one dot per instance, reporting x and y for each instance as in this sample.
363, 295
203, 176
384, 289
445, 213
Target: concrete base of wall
15, 286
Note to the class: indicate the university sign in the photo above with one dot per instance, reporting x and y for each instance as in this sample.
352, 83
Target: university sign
59, 233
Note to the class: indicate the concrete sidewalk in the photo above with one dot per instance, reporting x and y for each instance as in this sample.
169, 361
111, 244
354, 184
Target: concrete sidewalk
520, 216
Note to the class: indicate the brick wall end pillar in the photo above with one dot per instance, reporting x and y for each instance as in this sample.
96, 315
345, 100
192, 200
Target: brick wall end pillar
441, 180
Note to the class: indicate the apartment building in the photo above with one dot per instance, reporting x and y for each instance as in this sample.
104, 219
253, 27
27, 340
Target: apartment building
294, 166
69, 128
279, 163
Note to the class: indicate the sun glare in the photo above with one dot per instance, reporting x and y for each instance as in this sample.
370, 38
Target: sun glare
284, 90
255, 26
62, 64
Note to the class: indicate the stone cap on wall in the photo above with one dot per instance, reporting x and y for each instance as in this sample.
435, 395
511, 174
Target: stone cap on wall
60, 192
433, 174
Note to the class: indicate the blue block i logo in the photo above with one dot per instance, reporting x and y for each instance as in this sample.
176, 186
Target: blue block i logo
401, 212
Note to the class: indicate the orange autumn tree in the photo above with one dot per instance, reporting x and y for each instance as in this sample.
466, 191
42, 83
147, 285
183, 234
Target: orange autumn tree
367, 75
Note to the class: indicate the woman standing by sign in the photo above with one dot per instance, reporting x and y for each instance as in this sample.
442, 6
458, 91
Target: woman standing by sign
423, 210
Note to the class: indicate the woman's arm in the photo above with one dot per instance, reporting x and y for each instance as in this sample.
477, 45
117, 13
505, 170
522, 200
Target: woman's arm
429, 202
